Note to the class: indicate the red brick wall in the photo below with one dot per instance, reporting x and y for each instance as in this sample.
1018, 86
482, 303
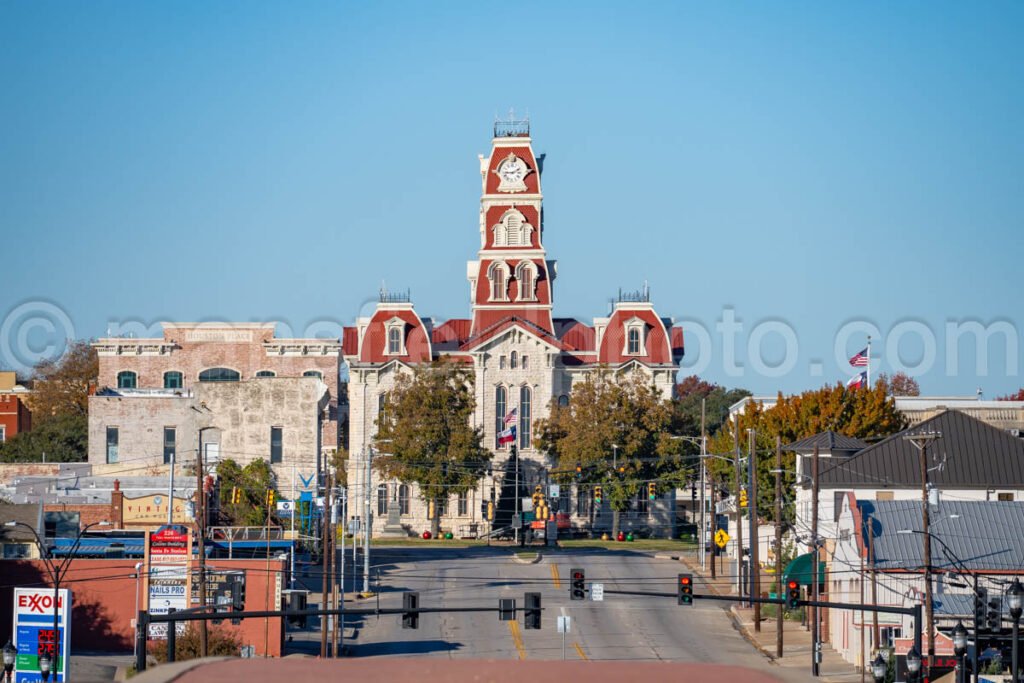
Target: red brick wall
14, 415
103, 599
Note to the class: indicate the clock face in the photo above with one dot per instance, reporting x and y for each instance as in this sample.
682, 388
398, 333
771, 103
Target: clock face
511, 172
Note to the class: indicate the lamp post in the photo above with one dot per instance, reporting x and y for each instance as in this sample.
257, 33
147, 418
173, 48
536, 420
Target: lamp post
879, 668
960, 648
10, 654
1015, 598
913, 664
44, 666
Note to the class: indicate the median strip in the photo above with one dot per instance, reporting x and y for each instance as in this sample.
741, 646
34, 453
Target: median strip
554, 575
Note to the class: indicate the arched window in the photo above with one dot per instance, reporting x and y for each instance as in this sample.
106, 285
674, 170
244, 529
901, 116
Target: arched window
526, 273
394, 340
266, 373
313, 373
382, 410
512, 230
634, 341
498, 275
219, 375
513, 360
500, 403
173, 380
525, 396
382, 500
403, 499
563, 400
126, 379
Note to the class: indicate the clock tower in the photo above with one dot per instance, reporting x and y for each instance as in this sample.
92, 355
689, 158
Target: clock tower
511, 278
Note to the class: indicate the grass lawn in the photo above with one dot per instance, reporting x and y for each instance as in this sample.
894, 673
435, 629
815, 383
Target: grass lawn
665, 544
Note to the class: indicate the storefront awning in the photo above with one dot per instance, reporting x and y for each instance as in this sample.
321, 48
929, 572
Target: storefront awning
799, 570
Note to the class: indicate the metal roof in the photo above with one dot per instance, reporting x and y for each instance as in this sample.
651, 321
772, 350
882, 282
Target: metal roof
827, 442
985, 536
969, 454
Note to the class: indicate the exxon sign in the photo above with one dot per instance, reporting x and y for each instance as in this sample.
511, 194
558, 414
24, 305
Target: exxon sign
39, 602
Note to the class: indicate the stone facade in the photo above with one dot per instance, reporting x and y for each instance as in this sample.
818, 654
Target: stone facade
227, 419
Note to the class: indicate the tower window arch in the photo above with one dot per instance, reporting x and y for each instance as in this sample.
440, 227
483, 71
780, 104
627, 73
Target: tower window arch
635, 337
512, 230
498, 275
526, 274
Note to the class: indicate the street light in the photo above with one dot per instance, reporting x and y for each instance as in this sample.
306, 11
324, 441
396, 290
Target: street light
913, 663
1015, 598
10, 654
44, 666
959, 648
879, 668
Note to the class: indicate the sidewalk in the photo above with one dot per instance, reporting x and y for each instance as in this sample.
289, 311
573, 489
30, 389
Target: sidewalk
796, 639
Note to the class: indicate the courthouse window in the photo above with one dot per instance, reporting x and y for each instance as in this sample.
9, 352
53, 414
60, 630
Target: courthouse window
173, 380
126, 379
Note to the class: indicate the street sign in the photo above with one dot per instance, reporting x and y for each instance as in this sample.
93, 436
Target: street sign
597, 592
554, 490
564, 624
721, 538
33, 633
285, 505
517, 522
168, 553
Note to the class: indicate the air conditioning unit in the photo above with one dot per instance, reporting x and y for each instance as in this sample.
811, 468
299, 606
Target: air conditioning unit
1015, 432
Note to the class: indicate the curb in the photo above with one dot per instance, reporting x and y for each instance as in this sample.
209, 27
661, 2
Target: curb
535, 560
744, 630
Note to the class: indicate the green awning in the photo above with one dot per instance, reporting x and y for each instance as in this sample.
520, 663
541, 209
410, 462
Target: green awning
799, 570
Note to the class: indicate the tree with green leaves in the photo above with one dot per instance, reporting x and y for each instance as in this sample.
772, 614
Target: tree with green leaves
614, 421
693, 393
426, 437
62, 438
864, 413
253, 480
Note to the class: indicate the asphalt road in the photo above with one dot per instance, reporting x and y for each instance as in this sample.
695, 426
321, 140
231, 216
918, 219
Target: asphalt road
621, 628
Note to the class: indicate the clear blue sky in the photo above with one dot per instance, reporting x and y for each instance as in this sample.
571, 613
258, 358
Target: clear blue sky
797, 162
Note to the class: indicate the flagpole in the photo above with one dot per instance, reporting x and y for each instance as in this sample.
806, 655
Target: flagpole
869, 361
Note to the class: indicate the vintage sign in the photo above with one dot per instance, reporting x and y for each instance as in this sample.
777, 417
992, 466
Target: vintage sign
168, 558
151, 511
34, 633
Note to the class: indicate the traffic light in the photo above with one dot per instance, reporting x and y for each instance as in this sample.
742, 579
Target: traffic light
237, 596
685, 589
622, 471
995, 614
579, 471
531, 618
578, 586
981, 608
597, 495
236, 495
693, 493
270, 497
743, 498
792, 594
652, 491
506, 609
490, 511
410, 603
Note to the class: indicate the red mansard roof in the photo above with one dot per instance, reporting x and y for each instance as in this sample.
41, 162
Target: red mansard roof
451, 333
678, 347
613, 342
575, 335
498, 154
350, 341
500, 326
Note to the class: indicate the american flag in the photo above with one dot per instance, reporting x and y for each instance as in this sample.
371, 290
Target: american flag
859, 380
860, 360
510, 419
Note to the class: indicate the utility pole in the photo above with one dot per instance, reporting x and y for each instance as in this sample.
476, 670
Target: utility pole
875, 634
739, 518
367, 525
201, 528
814, 563
921, 441
755, 565
711, 545
704, 545
326, 560
170, 489
778, 543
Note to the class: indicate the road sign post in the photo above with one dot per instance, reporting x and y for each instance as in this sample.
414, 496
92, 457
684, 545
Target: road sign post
564, 626
597, 592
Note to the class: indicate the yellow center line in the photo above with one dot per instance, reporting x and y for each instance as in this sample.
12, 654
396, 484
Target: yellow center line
579, 651
517, 638
554, 575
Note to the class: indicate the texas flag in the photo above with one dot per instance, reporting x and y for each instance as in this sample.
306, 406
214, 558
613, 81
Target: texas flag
508, 435
859, 380
860, 360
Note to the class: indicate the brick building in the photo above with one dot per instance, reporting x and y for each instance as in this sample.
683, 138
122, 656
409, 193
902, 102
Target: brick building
524, 358
15, 416
232, 389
